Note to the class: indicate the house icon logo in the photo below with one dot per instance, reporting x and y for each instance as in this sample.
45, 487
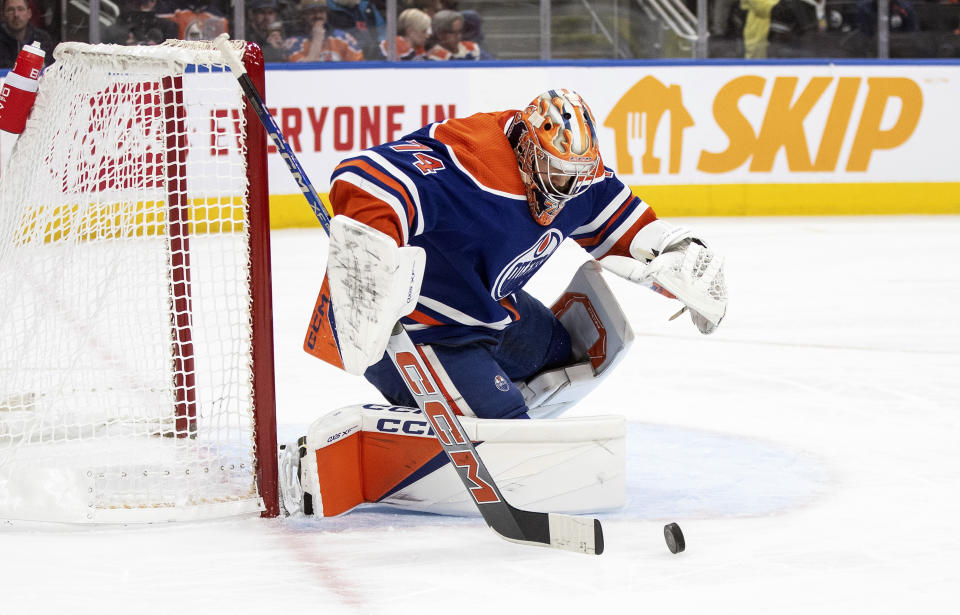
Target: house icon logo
639, 114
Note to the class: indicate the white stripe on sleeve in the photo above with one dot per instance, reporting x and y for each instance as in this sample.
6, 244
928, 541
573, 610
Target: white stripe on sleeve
617, 233
604, 215
404, 179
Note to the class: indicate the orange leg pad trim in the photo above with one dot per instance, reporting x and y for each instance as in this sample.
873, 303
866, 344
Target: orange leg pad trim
388, 459
365, 466
340, 475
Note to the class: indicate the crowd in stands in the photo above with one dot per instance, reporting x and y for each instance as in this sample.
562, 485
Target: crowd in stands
832, 28
437, 30
352, 30
286, 30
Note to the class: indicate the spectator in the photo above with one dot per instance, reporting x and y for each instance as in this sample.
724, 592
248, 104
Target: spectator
720, 14
756, 31
139, 24
726, 29
320, 43
361, 20
274, 49
430, 7
862, 41
198, 24
17, 31
413, 28
903, 17
448, 31
473, 31
795, 28
46, 16
261, 15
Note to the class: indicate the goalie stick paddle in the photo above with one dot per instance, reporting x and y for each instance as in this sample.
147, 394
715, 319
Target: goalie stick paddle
566, 532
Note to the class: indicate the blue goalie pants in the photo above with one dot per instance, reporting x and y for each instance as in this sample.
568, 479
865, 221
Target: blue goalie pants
482, 371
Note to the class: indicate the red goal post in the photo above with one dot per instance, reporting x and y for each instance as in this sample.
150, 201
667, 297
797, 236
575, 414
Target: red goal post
136, 348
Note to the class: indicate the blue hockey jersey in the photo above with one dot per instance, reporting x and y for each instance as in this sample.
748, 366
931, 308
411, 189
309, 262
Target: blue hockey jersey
454, 189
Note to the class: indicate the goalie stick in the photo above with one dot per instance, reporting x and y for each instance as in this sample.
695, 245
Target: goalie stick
566, 532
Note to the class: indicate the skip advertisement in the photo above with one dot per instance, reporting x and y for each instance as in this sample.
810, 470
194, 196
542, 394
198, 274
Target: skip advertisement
692, 139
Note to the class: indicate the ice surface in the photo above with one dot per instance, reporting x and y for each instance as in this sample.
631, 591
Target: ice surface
809, 449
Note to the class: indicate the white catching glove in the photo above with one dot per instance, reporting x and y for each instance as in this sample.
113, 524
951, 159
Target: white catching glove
669, 260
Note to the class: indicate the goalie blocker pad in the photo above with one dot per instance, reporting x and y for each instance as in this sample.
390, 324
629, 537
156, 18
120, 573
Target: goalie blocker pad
370, 283
389, 455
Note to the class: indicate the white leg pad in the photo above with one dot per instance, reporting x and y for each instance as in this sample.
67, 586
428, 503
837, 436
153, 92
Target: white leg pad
389, 455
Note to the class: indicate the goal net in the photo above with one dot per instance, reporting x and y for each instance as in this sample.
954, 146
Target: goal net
136, 368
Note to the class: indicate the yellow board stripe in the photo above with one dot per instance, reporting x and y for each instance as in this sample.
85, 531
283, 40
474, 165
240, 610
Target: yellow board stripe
802, 199
125, 220
225, 214
292, 211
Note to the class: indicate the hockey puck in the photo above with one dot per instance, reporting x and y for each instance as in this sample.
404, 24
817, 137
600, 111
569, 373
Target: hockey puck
674, 538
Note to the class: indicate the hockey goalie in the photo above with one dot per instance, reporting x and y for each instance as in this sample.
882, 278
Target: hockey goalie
440, 231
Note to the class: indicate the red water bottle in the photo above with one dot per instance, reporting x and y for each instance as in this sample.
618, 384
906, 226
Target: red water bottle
19, 89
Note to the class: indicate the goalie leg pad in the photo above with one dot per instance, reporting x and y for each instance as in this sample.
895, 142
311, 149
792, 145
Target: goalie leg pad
389, 455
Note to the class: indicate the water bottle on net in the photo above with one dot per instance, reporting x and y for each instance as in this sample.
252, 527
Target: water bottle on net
19, 90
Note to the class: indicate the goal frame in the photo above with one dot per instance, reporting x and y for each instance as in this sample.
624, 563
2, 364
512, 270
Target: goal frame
258, 216
58, 471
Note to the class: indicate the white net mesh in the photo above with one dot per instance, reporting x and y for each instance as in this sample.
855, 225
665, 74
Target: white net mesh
125, 352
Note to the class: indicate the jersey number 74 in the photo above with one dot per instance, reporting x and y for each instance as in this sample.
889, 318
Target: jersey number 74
426, 163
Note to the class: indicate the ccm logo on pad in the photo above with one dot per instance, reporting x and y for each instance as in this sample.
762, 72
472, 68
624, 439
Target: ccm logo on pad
411, 427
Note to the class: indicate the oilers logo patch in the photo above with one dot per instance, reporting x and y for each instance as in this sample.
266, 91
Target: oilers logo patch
501, 383
515, 275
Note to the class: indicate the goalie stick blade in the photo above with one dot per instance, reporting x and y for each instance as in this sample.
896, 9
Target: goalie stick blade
564, 532
577, 534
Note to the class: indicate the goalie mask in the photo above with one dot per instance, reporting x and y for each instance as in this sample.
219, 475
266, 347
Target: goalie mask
556, 146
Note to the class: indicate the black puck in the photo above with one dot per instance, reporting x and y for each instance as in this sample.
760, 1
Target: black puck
674, 538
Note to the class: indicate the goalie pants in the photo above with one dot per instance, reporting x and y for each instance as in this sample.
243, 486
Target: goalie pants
478, 375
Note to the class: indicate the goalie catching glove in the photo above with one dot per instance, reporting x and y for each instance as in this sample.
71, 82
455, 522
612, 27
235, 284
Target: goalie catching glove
669, 260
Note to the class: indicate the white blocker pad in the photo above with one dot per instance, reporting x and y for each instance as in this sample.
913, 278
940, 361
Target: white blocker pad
389, 455
373, 282
600, 334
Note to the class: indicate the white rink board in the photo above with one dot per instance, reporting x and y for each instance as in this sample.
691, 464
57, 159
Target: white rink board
331, 104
